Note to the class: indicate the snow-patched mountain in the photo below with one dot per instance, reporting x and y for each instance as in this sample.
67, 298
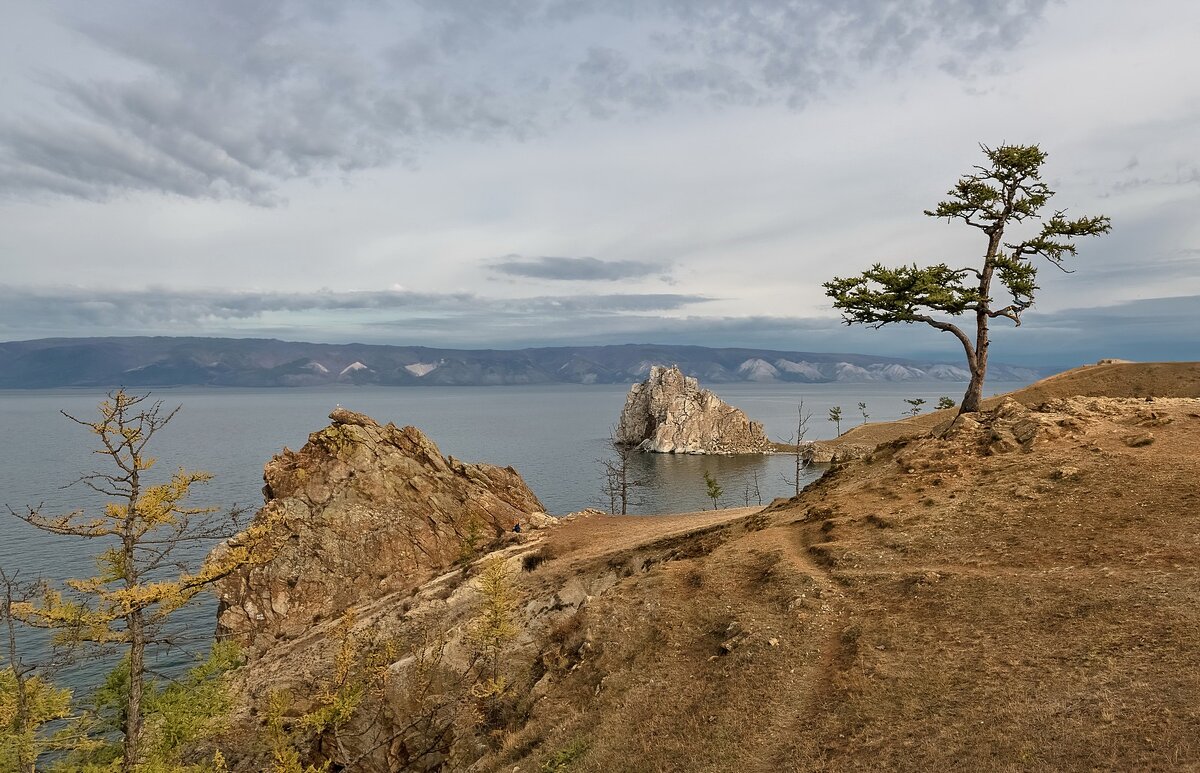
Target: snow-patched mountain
419, 369
642, 368
164, 361
844, 371
944, 372
805, 370
894, 372
352, 367
757, 369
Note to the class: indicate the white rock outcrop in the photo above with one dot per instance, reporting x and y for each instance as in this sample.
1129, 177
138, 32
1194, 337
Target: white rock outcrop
669, 413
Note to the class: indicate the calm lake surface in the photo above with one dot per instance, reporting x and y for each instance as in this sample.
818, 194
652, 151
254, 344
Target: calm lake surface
551, 434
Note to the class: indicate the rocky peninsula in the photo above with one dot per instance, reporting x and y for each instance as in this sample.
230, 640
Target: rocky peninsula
1014, 585
669, 413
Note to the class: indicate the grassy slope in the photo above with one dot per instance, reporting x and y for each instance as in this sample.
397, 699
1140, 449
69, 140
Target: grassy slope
936, 606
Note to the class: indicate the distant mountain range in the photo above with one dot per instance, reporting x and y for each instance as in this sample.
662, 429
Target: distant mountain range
163, 361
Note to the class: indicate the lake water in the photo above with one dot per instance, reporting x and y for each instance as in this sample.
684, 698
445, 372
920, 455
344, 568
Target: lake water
551, 434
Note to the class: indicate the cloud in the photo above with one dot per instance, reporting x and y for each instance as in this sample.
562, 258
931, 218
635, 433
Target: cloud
230, 99
575, 269
26, 312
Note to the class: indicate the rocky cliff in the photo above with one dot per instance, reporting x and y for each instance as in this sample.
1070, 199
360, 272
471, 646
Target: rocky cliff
669, 413
360, 511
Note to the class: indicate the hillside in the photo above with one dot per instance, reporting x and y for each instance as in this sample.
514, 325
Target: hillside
1016, 594
162, 361
1104, 379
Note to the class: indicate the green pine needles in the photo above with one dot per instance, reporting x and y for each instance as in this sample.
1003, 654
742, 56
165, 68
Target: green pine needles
1006, 192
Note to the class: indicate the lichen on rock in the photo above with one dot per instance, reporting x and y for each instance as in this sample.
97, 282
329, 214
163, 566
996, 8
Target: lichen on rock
669, 413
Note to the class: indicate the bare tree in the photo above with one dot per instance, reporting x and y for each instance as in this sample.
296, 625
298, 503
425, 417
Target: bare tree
798, 447
750, 489
622, 485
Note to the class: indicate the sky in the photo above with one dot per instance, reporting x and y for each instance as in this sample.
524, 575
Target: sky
510, 173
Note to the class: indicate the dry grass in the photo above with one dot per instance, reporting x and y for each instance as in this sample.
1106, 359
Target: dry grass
1021, 595
1151, 379
939, 607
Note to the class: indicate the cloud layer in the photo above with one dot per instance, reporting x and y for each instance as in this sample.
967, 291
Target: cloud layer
575, 269
230, 99
646, 169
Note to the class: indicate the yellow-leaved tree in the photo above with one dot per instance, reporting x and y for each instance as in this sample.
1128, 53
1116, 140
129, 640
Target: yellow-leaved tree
28, 701
143, 572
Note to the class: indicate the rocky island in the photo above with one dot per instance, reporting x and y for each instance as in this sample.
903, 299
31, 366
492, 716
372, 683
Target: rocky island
669, 413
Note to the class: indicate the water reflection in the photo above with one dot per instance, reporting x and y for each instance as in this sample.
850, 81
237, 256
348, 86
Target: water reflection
676, 481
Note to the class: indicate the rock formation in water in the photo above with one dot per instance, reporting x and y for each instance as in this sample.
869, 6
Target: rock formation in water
360, 511
669, 413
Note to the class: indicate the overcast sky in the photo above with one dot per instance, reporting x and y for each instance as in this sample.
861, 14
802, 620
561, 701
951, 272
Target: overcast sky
505, 173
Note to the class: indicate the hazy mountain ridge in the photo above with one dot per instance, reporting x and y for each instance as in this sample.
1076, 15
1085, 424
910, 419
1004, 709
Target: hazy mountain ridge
169, 361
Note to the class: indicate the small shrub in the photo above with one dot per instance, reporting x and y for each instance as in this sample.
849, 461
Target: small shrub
561, 760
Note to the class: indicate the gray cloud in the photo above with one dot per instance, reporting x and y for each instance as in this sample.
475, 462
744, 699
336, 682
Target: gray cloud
230, 99
28, 312
575, 269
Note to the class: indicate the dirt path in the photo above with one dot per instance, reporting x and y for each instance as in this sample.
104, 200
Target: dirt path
592, 536
827, 612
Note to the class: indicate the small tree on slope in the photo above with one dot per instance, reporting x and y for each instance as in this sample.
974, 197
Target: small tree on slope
141, 581
1006, 192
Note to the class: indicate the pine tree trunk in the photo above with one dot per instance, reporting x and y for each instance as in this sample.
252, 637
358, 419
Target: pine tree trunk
133, 712
977, 359
974, 395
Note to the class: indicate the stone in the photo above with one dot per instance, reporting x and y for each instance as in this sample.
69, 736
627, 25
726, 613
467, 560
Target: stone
1010, 409
1139, 440
669, 413
538, 521
962, 425
848, 451
360, 511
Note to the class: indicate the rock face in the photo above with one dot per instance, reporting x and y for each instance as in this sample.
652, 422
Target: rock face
669, 413
360, 511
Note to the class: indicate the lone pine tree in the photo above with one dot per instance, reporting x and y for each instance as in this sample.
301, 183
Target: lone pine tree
1007, 192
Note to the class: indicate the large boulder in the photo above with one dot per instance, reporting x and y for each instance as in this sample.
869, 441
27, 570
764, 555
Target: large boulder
669, 413
360, 511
